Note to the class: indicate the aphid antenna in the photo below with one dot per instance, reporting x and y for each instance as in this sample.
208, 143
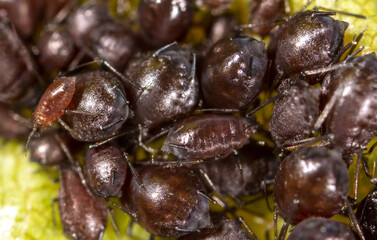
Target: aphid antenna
284, 228
78, 58
250, 113
133, 170
115, 205
97, 144
142, 144
110, 213
321, 141
353, 219
164, 48
357, 174
62, 14
31, 135
186, 230
316, 8
248, 229
355, 41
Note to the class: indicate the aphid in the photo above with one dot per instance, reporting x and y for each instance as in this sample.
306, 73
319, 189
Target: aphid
263, 11
18, 81
295, 113
24, 14
308, 40
233, 71
169, 89
12, 127
91, 105
85, 19
208, 136
352, 120
223, 228
170, 203
83, 215
105, 170
321, 229
46, 149
243, 174
367, 215
56, 50
114, 43
311, 182
164, 21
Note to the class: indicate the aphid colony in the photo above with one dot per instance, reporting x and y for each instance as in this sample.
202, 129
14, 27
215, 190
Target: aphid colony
118, 90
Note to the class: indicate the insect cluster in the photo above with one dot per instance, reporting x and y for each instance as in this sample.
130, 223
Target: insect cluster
136, 117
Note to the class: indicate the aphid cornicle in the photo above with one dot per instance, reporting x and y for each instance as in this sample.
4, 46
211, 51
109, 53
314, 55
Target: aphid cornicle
170, 203
233, 71
169, 87
92, 105
83, 215
105, 170
353, 119
308, 40
205, 136
321, 229
311, 182
164, 21
295, 113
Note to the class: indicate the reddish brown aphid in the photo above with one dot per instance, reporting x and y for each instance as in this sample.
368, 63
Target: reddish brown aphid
54, 101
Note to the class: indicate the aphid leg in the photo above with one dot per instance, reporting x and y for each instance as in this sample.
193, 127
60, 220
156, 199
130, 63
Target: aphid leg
151, 237
133, 170
110, 212
357, 174
186, 230
106, 127
284, 228
340, 12
193, 69
64, 125
62, 14
353, 219
158, 135
206, 197
120, 7
271, 100
129, 228
160, 50
248, 229
97, 144
19, 118
141, 144
210, 184
228, 110
276, 218
252, 25
313, 141
113, 204
76, 61
53, 213
355, 53
101, 234
74, 163
264, 186
364, 162
239, 163
68, 111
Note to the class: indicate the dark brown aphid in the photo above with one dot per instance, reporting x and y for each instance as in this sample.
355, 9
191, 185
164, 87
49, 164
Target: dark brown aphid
164, 21
105, 169
47, 150
169, 88
224, 228
263, 11
92, 105
83, 215
11, 127
24, 14
308, 40
86, 18
258, 166
353, 119
56, 50
321, 229
170, 204
208, 136
311, 182
367, 215
114, 43
233, 71
294, 114
18, 82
